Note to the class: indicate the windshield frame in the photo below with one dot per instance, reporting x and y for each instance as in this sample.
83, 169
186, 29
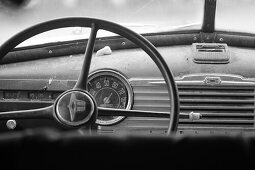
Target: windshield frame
138, 27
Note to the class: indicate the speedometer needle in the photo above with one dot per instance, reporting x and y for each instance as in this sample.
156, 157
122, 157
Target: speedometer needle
107, 99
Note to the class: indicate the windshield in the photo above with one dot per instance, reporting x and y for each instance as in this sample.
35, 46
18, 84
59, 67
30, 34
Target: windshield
235, 15
143, 16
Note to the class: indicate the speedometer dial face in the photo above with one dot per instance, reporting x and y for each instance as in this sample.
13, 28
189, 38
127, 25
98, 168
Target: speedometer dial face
110, 90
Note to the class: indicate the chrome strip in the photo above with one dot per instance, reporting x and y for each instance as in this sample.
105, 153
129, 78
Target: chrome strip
198, 79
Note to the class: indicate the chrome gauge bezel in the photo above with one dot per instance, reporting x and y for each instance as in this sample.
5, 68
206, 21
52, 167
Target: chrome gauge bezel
125, 81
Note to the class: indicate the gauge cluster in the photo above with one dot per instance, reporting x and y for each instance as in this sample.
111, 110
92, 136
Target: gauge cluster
111, 90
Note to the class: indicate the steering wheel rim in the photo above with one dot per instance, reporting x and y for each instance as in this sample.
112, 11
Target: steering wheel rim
95, 25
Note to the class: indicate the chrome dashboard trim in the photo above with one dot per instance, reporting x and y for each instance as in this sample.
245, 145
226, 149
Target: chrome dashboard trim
199, 79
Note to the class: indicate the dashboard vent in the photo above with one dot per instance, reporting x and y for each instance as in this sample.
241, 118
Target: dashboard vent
220, 106
210, 53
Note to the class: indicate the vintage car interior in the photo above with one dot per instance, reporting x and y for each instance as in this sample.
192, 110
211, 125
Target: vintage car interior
182, 93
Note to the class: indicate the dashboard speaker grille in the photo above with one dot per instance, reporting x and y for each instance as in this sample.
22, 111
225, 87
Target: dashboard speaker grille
220, 106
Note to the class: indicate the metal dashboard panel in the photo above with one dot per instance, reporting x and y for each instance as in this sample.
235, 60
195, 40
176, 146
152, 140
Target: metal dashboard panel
55, 75
151, 94
134, 63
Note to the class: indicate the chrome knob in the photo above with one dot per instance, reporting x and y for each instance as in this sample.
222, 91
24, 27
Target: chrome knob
11, 124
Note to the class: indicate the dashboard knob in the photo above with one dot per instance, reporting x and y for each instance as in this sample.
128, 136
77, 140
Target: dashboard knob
11, 124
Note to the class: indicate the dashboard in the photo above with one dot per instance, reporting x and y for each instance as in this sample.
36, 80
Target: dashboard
128, 79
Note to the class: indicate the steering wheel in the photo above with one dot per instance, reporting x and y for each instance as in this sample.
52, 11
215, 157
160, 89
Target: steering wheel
76, 108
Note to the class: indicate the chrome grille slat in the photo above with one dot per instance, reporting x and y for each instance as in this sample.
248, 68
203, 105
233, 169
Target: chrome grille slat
228, 114
226, 101
222, 121
215, 108
166, 100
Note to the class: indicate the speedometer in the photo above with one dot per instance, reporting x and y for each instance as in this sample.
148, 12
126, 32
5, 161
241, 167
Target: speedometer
110, 90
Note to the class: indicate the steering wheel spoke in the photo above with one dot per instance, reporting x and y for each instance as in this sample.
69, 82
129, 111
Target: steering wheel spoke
130, 113
140, 113
42, 113
83, 77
